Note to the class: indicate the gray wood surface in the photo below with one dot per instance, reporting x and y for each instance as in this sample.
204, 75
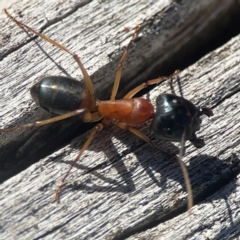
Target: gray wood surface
215, 218
121, 185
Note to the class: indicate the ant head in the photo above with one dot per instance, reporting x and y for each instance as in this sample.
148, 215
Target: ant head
175, 117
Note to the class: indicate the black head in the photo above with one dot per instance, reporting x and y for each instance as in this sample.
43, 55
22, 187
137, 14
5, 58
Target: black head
174, 115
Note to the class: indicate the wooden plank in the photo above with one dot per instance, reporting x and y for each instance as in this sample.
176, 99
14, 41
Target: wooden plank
135, 185
121, 185
215, 218
171, 32
92, 33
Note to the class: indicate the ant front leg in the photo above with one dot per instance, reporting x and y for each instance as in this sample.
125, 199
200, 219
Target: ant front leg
143, 137
147, 140
129, 95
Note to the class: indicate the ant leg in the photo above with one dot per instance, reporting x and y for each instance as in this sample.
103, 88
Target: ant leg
185, 171
120, 65
44, 122
182, 165
143, 137
148, 83
98, 128
87, 79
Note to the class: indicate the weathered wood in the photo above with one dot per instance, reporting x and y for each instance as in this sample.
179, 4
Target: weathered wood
121, 185
215, 218
171, 34
94, 31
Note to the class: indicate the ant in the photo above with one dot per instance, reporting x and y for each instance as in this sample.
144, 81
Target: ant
176, 119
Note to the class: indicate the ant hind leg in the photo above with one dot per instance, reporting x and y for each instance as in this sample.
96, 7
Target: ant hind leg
44, 122
87, 79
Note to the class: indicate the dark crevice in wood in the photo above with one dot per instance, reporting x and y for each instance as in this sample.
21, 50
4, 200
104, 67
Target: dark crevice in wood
219, 31
17, 160
231, 233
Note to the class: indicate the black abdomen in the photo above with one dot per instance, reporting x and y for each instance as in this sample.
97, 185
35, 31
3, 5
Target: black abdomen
58, 94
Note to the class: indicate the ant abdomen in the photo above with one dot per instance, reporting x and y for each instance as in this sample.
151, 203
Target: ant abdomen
58, 94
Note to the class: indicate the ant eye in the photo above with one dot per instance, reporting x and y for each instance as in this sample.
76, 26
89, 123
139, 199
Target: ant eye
175, 101
168, 131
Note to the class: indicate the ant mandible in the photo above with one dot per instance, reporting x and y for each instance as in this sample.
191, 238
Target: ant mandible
176, 119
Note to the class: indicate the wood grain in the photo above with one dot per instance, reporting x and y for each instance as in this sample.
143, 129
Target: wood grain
121, 185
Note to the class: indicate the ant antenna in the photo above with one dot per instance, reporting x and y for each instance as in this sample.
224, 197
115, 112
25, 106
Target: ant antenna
185, 171
179, 86
182, 148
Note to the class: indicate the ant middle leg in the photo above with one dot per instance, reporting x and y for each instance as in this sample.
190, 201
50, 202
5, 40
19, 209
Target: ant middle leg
155, 81
120, 65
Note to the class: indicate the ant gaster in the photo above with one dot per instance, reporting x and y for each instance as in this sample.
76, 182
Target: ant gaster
176, 119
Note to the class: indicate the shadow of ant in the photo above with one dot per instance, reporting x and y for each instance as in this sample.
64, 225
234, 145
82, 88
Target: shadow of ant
207, 173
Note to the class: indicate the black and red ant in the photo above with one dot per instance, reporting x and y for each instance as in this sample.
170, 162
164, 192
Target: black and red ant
175, 119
